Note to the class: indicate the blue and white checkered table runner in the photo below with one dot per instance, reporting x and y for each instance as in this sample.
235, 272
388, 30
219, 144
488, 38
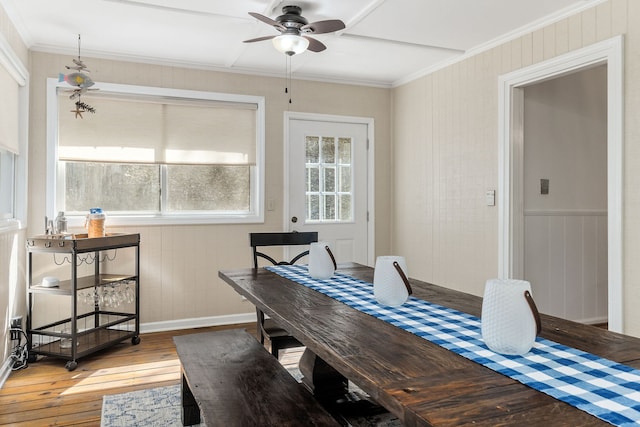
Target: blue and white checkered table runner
601, 387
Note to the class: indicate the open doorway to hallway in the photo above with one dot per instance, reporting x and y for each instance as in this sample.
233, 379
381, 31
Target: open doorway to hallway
565, 194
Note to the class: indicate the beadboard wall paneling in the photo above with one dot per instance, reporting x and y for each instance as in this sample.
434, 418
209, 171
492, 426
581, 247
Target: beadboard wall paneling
566, 255
466, 260
451, 142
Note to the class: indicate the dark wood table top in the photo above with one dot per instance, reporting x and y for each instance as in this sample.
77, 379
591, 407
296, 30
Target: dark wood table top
420, 382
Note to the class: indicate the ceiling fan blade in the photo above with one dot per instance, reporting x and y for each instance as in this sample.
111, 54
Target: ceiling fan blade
315, 45
321, 27
278, 26
258, 39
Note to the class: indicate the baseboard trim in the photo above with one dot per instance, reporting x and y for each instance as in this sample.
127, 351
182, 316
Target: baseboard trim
197, 322
5, 371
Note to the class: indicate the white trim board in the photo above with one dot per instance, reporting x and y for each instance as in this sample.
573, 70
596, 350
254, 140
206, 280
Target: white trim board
510, 212
197, 322
371, 229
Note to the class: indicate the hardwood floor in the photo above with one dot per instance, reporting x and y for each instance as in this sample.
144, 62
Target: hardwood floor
46, 394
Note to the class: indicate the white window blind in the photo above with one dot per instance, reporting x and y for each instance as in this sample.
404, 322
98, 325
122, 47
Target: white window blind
9, 107
173, 131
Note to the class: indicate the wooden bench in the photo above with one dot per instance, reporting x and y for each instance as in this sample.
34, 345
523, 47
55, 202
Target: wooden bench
232, 380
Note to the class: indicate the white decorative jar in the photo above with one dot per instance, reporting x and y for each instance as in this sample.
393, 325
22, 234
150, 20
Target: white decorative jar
322, 263
390, 283
510, 320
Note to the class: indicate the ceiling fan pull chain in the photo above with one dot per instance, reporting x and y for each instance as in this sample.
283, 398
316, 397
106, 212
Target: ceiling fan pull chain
289, 76
289, 79
286, 72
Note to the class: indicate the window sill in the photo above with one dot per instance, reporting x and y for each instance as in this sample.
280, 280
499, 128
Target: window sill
9, 225
151, 220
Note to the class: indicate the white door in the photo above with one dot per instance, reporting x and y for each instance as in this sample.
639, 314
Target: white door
327, 184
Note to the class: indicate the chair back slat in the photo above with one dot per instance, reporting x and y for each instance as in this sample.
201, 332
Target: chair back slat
258, 240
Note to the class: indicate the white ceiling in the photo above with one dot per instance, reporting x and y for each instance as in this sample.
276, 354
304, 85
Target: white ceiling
385, 42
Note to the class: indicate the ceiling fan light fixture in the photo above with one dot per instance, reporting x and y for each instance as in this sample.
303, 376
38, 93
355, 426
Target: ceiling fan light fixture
290, 44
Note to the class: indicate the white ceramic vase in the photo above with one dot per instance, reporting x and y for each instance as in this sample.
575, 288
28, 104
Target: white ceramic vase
390, 284
510, 319
322, 263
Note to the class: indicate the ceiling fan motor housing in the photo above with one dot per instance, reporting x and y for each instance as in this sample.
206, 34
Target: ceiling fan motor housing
292, 17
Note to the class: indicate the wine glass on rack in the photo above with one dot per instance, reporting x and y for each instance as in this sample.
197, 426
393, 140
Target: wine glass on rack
129, 292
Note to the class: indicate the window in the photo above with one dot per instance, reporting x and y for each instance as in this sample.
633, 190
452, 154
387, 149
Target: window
152, 155
329, 183
14, 110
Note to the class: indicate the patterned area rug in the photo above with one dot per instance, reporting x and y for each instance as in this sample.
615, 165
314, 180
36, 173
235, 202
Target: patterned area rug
161, 407
151, 407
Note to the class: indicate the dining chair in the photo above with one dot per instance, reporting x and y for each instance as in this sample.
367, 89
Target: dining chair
267, 328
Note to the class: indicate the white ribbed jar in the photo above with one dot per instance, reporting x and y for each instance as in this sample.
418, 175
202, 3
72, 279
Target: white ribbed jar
388, 286
321, 265
508, 323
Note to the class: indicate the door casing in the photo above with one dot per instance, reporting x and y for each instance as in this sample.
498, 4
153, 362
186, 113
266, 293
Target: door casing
290, 115
511, 160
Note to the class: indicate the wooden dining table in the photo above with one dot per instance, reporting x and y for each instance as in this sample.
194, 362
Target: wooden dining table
418, 381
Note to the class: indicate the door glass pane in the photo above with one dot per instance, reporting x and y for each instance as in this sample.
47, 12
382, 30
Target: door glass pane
329, 178
313, 178
330, 207
345, 179
313, 207
345, 207
328, 150
344, 151
312, 149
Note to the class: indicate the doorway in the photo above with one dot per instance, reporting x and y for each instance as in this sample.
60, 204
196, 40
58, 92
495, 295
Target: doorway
565, 194
511, 161
329, 182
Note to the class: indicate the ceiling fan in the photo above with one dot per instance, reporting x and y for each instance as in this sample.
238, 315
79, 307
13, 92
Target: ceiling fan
294, 29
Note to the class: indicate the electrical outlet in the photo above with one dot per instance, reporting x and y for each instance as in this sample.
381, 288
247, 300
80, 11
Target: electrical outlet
16, 322
15, 325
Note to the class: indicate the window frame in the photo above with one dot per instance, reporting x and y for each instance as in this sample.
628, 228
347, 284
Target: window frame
256, 215
12, 63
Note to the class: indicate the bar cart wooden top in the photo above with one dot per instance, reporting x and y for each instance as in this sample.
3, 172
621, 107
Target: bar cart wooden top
80, 243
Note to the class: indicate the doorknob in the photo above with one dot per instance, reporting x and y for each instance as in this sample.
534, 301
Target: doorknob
294, 219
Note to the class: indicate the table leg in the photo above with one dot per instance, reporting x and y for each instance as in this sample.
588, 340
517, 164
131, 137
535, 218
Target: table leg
190, 410
326, 384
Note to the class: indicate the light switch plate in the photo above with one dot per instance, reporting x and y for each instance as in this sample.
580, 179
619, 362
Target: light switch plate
544, 186
490, 197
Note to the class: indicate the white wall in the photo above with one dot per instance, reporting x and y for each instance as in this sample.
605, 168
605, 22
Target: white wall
445, 148
565, 141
